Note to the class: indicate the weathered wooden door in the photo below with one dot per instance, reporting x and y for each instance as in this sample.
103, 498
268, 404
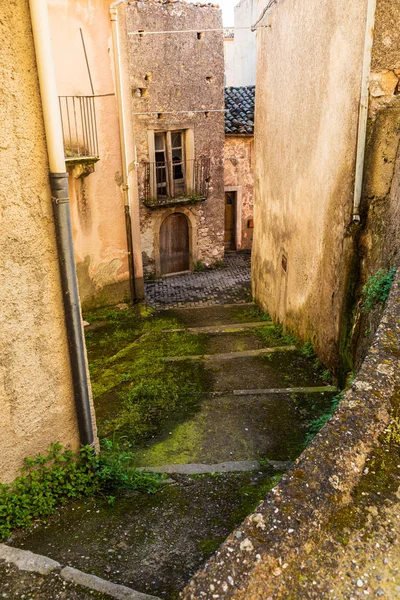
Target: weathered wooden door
230, 221
174, 244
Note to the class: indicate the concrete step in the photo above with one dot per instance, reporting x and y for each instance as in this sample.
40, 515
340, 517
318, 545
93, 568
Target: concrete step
244, 466
224, 314
227, 328
232, 355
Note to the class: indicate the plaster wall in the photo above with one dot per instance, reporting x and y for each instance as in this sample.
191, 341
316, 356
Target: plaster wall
229, 56
96, 199
169, 76
244, 59
36, 395
308, 89
239, 172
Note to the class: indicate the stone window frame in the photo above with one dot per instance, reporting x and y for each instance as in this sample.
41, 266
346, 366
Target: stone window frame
188, 134
238, 212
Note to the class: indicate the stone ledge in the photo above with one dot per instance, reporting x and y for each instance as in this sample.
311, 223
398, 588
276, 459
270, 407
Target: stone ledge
320, 482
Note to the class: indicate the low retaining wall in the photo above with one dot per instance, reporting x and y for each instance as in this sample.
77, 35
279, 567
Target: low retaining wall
249, 562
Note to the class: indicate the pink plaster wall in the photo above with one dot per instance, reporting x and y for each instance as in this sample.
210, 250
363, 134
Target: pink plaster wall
96, 200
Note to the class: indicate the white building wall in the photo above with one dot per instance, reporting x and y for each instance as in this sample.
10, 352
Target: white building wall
244, 60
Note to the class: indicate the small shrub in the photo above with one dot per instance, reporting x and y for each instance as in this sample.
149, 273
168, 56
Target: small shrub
307, 350
59, 476
376, 290
317, 424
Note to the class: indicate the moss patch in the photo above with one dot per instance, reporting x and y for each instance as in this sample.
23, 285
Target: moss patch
135, 391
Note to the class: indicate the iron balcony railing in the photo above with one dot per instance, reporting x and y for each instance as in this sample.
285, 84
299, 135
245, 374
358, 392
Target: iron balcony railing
78, 119
169, 183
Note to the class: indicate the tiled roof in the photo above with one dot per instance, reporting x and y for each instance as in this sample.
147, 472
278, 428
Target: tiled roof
239, 103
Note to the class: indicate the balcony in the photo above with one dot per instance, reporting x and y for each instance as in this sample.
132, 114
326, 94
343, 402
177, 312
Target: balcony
78, 120
170, 184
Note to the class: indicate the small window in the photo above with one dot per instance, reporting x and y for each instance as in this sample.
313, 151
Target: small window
169, 163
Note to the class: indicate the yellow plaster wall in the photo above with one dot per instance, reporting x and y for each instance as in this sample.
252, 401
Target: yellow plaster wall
36, 396
309, 64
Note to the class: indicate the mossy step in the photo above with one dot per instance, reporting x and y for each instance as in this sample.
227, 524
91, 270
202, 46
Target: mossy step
241, 428
217, 315
232, 355
244, 466
228, 328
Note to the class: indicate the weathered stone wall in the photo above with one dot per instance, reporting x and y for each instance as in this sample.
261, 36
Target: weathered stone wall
96, 199
239, 172
307, 96
36, 395
277, 538
379, 239
172, 73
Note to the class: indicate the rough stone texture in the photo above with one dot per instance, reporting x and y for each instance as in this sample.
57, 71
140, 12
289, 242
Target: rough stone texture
28, 561
249, 563
379, 237
184, 73
37, 403
96, 199
304, 174
239, 174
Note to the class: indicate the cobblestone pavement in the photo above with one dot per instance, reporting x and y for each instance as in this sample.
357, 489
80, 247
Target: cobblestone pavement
226, 285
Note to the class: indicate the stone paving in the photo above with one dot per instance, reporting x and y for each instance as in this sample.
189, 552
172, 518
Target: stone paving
225, 285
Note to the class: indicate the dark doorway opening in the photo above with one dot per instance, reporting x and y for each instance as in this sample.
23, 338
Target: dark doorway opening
174, 244
230, 221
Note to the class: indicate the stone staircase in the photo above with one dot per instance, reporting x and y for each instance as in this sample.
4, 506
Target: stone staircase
261, 396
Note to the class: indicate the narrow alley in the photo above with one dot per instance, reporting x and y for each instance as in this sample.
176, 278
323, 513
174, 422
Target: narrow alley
239, 396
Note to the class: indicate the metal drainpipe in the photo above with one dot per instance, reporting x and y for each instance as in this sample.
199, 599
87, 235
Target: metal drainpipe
122, 135
62, 217
363, 110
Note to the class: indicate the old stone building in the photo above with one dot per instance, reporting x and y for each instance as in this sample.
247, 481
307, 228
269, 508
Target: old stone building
239, 167
176, 85
325, 219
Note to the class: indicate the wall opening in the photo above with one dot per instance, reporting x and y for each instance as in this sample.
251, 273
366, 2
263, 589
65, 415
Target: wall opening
174, 244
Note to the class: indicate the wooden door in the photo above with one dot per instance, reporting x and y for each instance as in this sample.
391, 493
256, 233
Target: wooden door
230, 221
174, 244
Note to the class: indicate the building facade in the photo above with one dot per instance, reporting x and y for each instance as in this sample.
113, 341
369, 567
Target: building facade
313, 241
36, 386
83, 55
177, 110
239, 167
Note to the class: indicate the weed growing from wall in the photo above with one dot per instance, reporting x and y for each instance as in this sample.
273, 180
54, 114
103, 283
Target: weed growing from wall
376, 290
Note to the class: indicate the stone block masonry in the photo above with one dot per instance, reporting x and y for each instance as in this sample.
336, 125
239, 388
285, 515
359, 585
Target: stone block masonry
177, 81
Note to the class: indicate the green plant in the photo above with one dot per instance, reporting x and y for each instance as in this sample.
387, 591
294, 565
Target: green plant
317, 424
376, 290
61, 475
199, 266
307, 350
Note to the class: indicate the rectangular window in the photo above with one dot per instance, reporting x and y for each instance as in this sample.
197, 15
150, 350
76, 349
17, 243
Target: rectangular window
170, 163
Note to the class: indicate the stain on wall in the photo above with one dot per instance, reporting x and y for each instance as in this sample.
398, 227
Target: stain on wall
308, 87
36, 395
97, 207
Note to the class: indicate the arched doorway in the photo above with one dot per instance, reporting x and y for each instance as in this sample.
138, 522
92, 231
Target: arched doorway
174, 244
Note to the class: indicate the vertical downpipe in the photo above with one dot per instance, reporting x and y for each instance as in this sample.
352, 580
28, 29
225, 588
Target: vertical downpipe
363, 109
62, 217
121, 118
